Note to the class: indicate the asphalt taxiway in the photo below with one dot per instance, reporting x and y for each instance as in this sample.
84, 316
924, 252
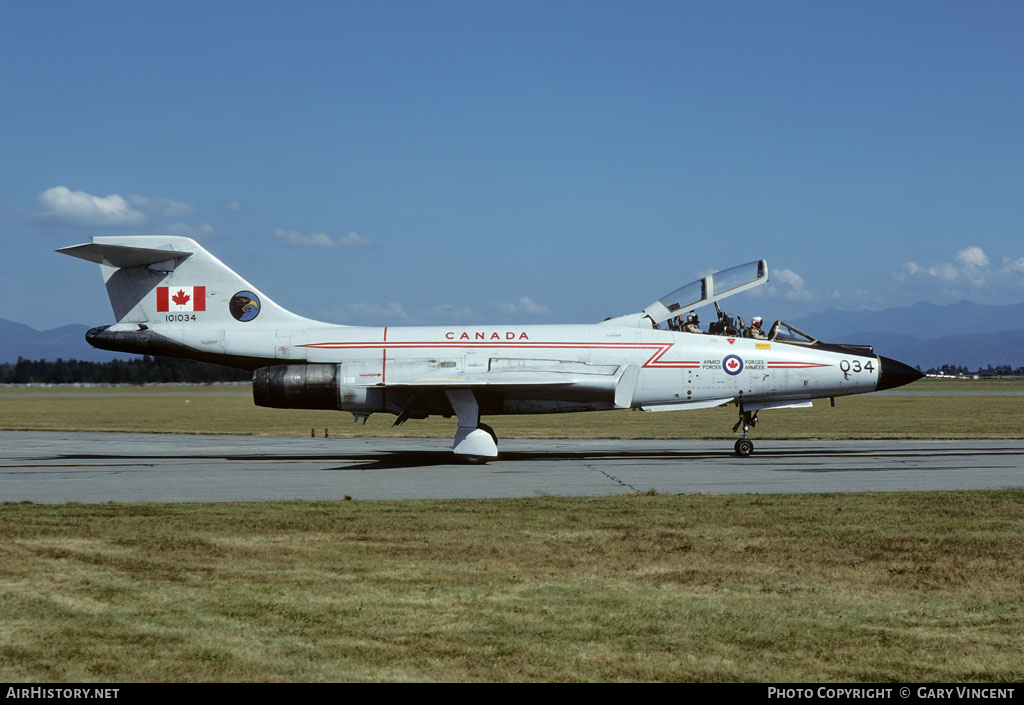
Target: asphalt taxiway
56, 467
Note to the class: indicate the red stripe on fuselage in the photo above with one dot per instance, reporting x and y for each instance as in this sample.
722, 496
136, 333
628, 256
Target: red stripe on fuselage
654, 361
795, 365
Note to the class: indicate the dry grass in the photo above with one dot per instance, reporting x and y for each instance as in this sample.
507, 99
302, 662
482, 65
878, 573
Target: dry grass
895, 587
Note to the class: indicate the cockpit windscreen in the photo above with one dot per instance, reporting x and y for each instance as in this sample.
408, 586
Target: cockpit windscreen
785, 333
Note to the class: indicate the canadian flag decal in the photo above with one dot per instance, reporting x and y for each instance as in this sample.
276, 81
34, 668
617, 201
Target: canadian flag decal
180, 298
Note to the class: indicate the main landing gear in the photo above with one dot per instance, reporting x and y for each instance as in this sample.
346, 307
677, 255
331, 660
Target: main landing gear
744, 447
476, 442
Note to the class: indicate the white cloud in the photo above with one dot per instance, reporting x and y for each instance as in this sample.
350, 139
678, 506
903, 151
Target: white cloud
297, 239
163, 206
972, 257
792, 284
969, 273
944, 271
1013, 265
524, 305
785, 283
974, 265
83, 209
352, 239
970, 264
233, 206
530, 307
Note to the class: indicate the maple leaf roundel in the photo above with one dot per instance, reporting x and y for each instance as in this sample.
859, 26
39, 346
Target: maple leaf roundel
732, 364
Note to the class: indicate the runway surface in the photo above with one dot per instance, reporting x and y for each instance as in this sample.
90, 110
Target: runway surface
55, 467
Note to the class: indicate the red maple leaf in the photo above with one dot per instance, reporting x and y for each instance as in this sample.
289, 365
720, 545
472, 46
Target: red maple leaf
181, 298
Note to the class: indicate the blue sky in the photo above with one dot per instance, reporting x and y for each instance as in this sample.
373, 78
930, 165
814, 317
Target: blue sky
532, 162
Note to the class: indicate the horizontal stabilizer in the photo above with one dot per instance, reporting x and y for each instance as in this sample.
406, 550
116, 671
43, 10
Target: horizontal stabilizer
124, 256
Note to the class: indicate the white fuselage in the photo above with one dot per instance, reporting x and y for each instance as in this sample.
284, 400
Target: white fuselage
577, 367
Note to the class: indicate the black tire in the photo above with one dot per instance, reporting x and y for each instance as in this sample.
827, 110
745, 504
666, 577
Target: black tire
744, 447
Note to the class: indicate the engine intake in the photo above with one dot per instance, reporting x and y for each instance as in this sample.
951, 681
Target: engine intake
310, 386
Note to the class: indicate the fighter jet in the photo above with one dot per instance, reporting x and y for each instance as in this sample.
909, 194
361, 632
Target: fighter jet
172, 297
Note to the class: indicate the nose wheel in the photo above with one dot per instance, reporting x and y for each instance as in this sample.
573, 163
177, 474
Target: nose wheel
748, 419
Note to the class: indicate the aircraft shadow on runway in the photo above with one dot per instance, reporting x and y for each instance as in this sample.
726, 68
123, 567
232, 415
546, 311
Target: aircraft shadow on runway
394, 459
408, 459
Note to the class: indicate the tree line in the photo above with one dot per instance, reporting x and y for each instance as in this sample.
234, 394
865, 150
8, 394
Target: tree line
145, 370
989, 371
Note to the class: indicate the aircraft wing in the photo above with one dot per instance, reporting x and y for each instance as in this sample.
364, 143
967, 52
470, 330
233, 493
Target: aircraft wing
534, 379
615, 386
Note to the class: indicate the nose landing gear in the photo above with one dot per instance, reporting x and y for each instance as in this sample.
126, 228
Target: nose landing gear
744, 447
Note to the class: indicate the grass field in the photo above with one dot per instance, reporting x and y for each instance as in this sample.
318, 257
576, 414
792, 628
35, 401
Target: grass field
893, 587
229, 409
877, 587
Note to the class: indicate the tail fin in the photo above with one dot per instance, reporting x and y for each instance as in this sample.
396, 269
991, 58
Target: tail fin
153, 279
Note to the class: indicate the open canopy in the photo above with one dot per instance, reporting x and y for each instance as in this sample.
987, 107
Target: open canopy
707, 290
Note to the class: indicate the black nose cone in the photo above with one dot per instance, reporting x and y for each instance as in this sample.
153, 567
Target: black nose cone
894, 373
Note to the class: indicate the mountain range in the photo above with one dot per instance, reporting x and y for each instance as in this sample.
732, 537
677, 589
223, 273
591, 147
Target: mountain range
922, 320
925, 335
67, 342
928, 335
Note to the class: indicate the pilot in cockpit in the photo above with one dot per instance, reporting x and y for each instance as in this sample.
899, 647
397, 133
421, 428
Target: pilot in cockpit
754, 331
692, 324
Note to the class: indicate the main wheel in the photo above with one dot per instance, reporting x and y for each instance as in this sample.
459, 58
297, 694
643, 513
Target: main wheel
489, 430
744, 447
